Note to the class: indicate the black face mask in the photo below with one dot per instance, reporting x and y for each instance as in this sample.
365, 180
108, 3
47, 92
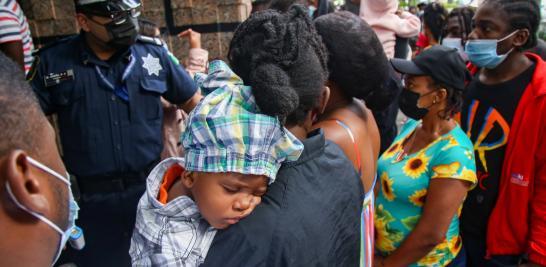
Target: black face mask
408, 105
123, 33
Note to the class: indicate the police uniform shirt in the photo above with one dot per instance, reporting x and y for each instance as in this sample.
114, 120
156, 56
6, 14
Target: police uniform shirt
103, 130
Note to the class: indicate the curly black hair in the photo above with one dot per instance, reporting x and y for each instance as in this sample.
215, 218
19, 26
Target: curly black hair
435, 18
284, 5
356, 62
281, 56
522, 14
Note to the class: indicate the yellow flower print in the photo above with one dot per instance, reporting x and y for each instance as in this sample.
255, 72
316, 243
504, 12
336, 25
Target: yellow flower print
386, 238
431, 259
455, 245
416, 166
468, 175
452, 142
418, 197
410, 222
386, 187
393, 150
469, 154
446, 170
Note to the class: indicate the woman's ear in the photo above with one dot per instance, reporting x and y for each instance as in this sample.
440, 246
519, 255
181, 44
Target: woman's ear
440, 95
188, 179
28, 188
324, 97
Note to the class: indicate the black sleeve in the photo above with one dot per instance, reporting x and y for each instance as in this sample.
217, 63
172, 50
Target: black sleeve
232, 248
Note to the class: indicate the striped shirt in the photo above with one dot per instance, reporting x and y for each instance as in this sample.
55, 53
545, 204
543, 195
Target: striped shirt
14, 27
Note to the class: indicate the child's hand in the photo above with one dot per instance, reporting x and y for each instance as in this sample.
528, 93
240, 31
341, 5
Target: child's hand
193, 37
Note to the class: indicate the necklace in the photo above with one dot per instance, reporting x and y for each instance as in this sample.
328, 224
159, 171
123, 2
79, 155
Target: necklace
402, 154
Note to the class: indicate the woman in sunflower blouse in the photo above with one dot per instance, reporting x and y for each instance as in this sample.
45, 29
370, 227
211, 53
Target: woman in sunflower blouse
427, 172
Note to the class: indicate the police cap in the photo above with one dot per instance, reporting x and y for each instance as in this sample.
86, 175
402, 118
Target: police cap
107, 8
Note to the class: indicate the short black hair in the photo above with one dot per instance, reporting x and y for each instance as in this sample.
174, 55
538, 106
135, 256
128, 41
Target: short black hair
464, 16
283, 59
522, 14
356, 60
21, 118
435, 18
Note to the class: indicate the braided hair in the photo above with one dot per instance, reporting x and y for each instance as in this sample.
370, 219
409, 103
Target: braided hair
464, 17
522, 14
281, 56
435, 18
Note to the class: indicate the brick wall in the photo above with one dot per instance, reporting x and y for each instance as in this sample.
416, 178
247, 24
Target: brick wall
215, 19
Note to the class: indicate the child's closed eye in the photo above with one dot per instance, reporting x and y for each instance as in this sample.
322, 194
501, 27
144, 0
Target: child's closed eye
230, 189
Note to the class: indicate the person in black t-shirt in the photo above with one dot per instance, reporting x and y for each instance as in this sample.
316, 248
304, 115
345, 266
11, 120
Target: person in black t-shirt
503, 78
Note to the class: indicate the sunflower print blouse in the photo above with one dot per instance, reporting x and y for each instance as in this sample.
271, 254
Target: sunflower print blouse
404, 183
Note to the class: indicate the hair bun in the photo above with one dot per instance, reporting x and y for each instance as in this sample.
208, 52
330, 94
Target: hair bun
272, 90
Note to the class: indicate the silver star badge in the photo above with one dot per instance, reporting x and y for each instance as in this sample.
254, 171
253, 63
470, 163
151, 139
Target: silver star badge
152, 65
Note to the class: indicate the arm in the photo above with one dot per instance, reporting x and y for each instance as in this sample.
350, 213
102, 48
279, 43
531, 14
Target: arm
537, 236
198, 57
14, 50
408, 26
443, 199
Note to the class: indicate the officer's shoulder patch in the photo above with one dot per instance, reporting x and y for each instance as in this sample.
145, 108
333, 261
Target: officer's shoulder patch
53, 44
150, 40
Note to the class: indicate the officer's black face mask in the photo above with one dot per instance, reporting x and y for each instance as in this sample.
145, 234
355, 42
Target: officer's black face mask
122, 32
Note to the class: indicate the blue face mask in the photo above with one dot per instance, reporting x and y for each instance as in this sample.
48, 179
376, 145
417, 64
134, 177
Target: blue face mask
72, 205
457, 44
483, 52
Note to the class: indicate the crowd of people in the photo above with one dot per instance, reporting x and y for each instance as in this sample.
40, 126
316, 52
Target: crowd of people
370, 136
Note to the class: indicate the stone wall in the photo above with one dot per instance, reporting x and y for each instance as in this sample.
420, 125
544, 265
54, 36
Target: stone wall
215, 19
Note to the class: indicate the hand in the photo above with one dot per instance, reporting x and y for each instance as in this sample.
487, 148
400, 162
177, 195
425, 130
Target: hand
398, 12
193, 37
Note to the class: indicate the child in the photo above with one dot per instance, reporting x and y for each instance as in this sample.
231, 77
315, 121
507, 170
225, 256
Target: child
232, 153
387, 22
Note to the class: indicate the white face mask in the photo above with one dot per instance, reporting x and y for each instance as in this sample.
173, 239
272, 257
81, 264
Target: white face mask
72, 213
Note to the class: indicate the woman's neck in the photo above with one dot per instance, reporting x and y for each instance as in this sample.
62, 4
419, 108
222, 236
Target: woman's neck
434, 126
337, 101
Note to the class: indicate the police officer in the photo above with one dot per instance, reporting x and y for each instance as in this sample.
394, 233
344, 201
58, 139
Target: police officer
105, 86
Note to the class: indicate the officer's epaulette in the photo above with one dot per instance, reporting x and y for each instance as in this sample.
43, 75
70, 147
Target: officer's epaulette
53, 44
150, 40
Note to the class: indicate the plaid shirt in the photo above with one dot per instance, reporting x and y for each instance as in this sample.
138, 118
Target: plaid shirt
172, 234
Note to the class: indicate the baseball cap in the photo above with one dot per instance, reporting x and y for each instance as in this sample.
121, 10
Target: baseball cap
443, 64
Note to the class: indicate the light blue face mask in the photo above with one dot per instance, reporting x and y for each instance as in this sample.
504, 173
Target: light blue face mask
457, 44
72, 205
483, 52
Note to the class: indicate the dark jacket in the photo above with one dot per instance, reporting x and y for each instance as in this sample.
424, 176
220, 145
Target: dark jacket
310, 216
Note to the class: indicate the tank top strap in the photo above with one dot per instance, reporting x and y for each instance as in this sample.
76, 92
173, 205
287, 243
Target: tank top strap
351, 135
